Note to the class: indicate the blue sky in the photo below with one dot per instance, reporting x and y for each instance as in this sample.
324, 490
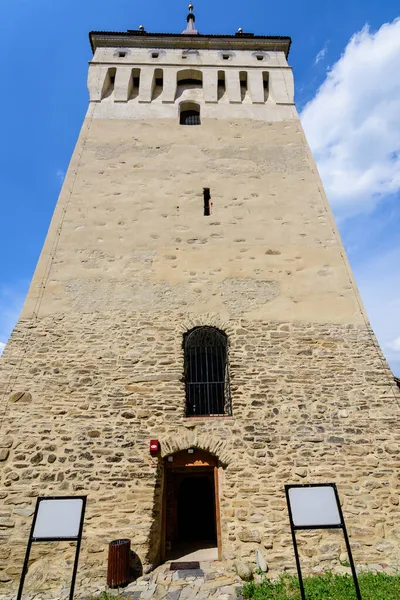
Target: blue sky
346, 61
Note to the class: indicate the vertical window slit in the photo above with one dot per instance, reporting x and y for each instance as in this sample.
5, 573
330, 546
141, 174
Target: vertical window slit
109, 83
134, 84
243, 84
158, 83
266, 85
221, 84
207, 202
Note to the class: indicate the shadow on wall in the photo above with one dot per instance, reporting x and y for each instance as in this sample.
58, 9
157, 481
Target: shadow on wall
136, 567
153, 557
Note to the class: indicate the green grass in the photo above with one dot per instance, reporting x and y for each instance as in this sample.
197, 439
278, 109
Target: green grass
326, 587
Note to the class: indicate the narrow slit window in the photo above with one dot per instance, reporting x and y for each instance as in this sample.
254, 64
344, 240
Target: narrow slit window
109, 82
221, 84
266, 85
207, 202
134, 86
243, 84
158, 83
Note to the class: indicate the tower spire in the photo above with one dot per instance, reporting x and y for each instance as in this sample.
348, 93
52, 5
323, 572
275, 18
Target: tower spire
190, 28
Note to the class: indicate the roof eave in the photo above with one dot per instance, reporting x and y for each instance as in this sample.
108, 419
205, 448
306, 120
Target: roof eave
214, 42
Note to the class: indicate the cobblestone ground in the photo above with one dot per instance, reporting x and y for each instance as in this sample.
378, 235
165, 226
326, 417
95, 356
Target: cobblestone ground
212, 581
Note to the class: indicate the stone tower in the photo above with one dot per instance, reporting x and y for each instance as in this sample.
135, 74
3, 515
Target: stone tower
193, 290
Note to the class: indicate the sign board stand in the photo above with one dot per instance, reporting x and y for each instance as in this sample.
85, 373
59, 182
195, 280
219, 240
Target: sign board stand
56, 519
316, 506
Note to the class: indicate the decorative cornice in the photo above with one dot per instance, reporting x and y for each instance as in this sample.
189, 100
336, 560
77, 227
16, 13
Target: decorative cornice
138, 39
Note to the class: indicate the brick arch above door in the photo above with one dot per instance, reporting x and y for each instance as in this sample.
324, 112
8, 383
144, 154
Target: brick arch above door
183, 439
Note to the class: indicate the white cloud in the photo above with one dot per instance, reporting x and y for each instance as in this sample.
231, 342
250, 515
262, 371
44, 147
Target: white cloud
353, 127
379, 284
395, 345
353, 122
321, 54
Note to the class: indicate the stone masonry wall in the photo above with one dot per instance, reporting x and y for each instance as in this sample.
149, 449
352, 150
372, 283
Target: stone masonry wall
311, 403
94, 368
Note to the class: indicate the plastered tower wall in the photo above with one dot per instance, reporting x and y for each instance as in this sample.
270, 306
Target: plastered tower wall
94, 367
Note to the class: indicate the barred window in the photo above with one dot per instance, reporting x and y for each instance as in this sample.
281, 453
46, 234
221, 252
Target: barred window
206, 372
190, 117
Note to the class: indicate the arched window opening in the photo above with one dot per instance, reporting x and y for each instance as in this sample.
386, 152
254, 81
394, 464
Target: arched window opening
243, 84
189, 113
134, 84
221, 84
266, 85
206, 372
158, 83
190, 78
109, 82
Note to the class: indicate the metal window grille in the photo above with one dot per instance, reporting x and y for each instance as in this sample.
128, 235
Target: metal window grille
190, 117
206, 373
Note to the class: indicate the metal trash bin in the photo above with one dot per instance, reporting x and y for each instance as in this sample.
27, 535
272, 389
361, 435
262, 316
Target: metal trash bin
118, 570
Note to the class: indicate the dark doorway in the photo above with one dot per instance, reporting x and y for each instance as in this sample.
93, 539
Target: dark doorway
191, 521
196, 511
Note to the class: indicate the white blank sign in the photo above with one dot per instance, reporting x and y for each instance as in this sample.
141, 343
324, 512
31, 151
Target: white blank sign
58, 518
314, 506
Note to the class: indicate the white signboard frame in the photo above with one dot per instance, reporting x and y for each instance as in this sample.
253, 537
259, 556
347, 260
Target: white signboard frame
56, 519
316, 506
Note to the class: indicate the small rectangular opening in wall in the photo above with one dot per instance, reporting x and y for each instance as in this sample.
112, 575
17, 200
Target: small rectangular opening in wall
260, 57
155, 55
109, 81
243, 84
121, 54
226, 56
134, 85
221, 84
207, 202
158, 83
266, 85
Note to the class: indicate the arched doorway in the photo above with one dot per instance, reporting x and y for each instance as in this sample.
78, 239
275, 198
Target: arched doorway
191, 521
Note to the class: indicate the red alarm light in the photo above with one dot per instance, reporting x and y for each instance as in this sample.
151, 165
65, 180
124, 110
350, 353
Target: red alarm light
154, 446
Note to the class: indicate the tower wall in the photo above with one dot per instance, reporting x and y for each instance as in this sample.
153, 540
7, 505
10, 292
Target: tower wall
94, 367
